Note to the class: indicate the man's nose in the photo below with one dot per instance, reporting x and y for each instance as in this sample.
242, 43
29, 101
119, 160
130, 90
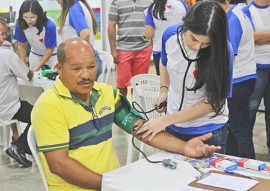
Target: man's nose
85, 74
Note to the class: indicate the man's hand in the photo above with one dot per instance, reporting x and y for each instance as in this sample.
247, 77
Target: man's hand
115, 57
30, 75
196, 148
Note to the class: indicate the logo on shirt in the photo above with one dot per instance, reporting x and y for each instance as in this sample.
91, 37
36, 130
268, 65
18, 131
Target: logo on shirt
41, 40
104, 108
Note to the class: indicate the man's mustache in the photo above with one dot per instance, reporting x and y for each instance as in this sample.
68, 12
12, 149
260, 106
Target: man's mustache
85, 82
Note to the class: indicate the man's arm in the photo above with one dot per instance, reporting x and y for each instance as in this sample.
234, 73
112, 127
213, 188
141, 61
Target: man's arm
112, 40
193, 148
261, 37
71, 170
149, 32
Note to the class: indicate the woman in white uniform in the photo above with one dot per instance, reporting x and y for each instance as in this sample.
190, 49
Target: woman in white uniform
78, 19
40, 32
160, 15
195, 73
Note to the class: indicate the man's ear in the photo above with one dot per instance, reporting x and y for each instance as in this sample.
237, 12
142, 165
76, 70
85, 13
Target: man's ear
58, 67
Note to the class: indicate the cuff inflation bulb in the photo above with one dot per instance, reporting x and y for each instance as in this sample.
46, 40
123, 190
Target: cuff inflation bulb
169, 163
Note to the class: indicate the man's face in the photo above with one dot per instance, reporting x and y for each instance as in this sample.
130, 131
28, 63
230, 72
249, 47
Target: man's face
3, 33
78, 73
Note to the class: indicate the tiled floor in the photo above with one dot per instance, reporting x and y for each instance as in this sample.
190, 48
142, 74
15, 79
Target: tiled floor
15, 178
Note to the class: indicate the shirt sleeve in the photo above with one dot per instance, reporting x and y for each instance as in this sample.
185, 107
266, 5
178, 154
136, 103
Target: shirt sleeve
169, 32
78, 24
113, 12
19, 34
50, 35
235, 33
149, 18
247, 13
231, 58
17, 66
48, 120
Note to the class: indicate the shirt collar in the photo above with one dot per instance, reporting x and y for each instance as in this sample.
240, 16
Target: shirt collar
63, 91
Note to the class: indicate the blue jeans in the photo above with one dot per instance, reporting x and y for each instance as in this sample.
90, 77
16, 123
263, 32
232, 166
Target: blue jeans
156, 61
218, 139
262, 90
239, 140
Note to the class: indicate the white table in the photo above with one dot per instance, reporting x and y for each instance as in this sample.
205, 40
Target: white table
144, 176
31, 90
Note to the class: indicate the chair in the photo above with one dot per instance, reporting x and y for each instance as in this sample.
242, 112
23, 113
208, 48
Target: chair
107, 67
146, 89
33, 147
5, 128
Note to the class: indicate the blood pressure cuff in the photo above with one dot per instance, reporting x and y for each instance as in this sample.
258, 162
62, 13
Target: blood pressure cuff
125, 114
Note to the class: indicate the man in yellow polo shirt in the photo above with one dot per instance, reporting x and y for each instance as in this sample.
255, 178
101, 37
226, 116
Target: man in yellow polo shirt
73, 123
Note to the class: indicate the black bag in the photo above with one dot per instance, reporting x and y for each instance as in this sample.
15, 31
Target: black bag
51, 76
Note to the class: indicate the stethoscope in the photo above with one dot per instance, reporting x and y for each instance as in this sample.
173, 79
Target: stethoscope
179, 31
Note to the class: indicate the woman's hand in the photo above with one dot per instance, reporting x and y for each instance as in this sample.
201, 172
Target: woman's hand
151, 128
161, 107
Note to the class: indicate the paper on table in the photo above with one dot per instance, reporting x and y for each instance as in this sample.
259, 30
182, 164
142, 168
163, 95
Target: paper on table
228, 182
189, 188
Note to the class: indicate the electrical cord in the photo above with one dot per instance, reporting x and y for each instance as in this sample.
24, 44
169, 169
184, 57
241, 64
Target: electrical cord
169, 163
138, 127
163, 104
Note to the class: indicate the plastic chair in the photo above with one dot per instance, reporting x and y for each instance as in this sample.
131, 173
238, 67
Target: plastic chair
33, 147
5, 128
107, 67
146, 89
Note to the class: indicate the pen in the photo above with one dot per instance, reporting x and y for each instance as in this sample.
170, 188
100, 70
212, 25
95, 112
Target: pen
241, 175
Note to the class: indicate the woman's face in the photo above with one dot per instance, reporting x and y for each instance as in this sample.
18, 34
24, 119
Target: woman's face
30, 18
196, 41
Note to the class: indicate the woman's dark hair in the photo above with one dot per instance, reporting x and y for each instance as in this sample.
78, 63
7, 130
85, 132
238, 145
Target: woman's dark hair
213, 67
66, 4
159, 7
238, 1
34, 7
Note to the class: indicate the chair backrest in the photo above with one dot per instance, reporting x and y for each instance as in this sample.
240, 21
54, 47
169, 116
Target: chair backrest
146, 89
33, 147
107, 67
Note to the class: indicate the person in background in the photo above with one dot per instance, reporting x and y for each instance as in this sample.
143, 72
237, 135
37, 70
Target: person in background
160, 15
258, 12
75, 137
195, 77
34, 27
85, 27
11, 107
239, 140
239, 3
4, 30
131, 51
